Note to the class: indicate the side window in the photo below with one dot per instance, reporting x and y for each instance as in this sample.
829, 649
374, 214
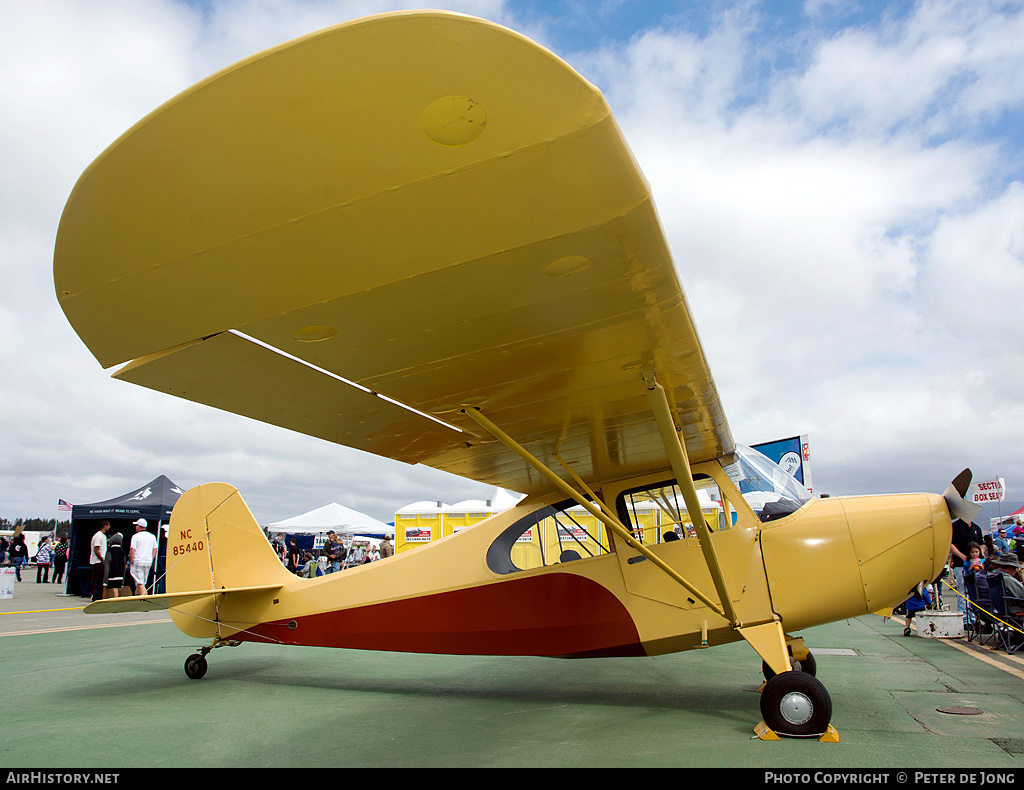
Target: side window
551, 535
657, 513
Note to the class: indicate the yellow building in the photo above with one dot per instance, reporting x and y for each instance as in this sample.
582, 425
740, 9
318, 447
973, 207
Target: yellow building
543, 544
418, 523
421, 522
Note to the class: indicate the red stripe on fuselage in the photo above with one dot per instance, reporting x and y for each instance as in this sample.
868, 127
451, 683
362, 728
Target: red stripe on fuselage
555, 614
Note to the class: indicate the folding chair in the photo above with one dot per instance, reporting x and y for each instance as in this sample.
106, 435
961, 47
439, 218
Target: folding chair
971, 591
983, 625
1009, 631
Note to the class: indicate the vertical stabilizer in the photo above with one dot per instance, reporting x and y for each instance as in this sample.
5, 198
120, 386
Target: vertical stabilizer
213, 543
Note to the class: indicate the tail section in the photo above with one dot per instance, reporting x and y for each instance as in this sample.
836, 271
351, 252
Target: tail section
215, 543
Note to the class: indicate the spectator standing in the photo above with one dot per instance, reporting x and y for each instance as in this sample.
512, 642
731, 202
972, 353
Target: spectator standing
18, 553
43, 557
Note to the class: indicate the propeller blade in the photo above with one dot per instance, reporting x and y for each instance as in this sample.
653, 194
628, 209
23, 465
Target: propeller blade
962, 482
954, 496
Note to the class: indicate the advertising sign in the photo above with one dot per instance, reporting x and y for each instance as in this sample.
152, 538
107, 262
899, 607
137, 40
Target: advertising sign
793, 455
987, 491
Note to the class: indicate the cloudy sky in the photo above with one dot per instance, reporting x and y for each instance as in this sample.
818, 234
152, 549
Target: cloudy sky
841, 182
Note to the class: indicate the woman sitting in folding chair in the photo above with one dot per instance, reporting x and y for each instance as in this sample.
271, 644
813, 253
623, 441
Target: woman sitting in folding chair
1007, 564
1007, 594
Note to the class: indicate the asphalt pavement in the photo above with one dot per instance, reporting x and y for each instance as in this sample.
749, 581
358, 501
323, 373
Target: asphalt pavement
109, 692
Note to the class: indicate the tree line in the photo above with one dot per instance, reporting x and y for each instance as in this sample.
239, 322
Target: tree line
37, 525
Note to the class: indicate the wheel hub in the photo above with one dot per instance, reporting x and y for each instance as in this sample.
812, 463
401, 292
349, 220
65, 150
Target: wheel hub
796, 708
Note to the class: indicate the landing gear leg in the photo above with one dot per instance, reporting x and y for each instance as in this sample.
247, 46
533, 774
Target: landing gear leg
801, 659
793, 701
807, 665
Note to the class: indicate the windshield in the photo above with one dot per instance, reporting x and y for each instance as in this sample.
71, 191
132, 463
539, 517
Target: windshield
769, 490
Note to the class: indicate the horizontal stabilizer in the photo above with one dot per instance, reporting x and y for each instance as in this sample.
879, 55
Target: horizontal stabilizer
153, 603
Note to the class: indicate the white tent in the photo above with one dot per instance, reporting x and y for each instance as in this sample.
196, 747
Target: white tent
335, 517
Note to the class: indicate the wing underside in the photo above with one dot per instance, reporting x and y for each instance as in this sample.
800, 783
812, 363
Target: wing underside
356, 234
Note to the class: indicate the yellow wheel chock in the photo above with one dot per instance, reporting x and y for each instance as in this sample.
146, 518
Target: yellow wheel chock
766, 733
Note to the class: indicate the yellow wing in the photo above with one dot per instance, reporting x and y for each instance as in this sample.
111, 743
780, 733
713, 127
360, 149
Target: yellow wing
425, 204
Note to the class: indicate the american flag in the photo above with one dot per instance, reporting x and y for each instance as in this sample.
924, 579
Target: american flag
62, 505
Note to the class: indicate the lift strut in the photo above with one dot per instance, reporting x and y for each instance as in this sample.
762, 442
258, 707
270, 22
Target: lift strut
599, 511
767, 637
676, 450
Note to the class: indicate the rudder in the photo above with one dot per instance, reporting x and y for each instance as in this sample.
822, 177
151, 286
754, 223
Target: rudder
214, 542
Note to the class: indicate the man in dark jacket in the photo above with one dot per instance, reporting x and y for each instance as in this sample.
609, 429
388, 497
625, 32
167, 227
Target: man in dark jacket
964, 534
335, 551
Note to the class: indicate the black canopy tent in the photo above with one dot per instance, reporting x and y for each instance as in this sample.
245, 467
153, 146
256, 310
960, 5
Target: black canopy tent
153, 502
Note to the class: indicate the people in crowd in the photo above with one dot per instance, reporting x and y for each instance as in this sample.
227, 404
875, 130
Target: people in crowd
988, 548
43, 556
974, 562
60, 559
113, 567
963, 536
1007, 564
97, 556
18, 554
918, 601
294, 556
141, 555
335, 552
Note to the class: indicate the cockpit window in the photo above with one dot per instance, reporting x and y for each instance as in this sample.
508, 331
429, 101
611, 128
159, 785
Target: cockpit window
769, 490
551, 535
657, 513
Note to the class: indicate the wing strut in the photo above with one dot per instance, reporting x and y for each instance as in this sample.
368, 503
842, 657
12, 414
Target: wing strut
676, 450
767, 638
598, 512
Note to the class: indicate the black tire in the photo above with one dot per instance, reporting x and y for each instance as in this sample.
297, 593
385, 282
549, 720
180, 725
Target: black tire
195, 666
796, 703
808, 665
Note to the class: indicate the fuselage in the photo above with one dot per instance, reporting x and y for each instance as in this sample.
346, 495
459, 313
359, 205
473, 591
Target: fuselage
479, 592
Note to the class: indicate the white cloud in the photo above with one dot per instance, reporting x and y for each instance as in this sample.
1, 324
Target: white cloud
842, 222
945, 63
74, 77
826, 237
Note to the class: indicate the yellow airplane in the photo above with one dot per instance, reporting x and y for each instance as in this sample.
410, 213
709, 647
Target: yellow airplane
422, 235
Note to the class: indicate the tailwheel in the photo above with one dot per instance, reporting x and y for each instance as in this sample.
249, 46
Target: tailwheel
808, 665
797, 704
195, 666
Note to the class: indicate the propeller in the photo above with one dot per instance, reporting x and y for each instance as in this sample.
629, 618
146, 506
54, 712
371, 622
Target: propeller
954, 496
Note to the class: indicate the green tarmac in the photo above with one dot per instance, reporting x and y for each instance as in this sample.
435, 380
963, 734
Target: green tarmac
85, 691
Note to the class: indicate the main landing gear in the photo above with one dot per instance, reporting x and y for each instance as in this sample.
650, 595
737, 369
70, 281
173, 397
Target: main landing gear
795, 704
